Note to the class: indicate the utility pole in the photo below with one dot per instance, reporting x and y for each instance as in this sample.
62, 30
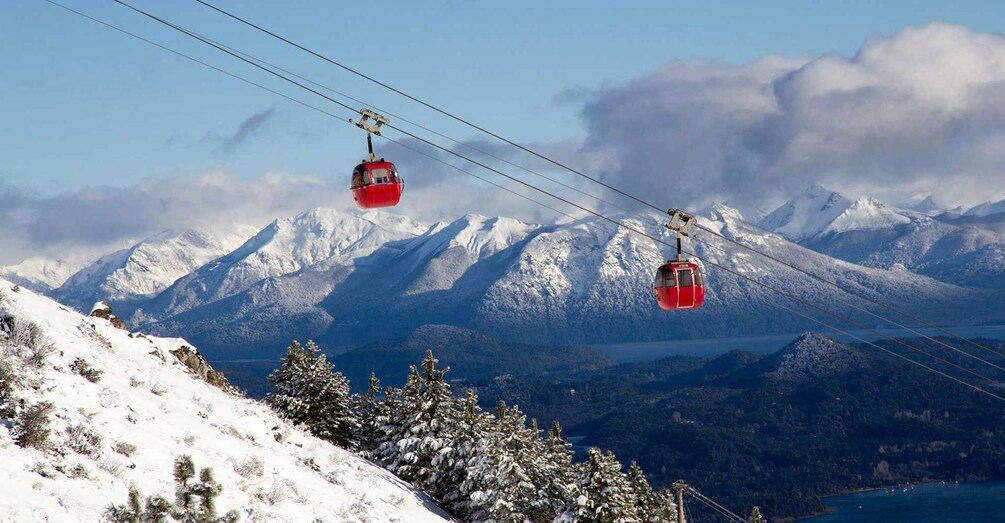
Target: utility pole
679, 487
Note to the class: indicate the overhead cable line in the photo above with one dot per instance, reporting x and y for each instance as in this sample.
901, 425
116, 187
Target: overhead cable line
302, 103
427, 129
632, 229
628, 195
568, 202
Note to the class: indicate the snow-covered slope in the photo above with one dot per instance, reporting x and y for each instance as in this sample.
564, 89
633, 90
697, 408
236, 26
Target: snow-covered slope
285, 247
817, 212
270, 471
148, 267
581, 282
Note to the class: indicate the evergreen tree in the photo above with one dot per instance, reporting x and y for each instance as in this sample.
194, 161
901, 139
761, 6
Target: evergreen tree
642, 493
609, 492
454, 463
310, 392
370, 412
195, 502
568, 494
419, 429
500, 483
663, 507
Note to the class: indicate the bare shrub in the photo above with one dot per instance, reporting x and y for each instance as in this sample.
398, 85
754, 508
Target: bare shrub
84, 369
250, 466
83, 441
276, 494
124, 448
112, 467
31, 426
79, 471
136, 382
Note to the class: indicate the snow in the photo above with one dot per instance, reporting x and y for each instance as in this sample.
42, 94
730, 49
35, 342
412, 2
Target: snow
43, 274
166, 412
150, 266
866, 214
287, 246
817, 212
986, 209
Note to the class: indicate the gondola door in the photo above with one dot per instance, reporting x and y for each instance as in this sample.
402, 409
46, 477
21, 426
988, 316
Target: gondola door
685, 288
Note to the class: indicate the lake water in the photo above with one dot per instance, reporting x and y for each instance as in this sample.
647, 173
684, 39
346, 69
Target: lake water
654, 350
941, 502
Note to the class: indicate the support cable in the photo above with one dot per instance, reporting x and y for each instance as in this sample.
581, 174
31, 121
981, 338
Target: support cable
629, 228
623, 193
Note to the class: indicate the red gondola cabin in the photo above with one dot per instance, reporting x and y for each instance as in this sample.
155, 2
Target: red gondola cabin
679, 285
376, 184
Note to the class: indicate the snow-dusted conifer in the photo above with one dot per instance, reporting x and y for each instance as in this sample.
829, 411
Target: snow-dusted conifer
647, 502
310, 392
420, 429
570, 495
195, 501
500, 482
369, 411
455, 472
610, 494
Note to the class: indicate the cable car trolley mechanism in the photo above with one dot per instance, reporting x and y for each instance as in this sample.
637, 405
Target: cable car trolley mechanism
375, 183
679, 283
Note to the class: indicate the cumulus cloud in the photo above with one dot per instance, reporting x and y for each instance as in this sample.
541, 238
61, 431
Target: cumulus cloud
920, 111
101, 219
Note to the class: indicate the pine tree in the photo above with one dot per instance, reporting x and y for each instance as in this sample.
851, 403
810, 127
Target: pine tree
308, 391
500, 481
195, 502
609, 492
648, 504
370, 413
567, 492
663, 507
419, 428
454, 463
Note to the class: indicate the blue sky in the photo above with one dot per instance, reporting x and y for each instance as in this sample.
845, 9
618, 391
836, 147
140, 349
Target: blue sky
85, 106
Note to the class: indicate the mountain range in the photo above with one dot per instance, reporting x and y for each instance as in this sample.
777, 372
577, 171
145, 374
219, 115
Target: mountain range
348, 278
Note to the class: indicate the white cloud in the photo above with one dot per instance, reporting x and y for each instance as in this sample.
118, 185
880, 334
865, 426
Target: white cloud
922, 110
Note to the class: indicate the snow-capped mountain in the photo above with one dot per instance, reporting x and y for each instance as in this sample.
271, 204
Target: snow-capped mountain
986, 209
318, 236
580, 282
148, 267
125, 428
817, 212
42, 274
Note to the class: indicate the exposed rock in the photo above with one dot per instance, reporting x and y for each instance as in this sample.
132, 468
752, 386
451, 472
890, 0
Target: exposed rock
190, 358
103, 310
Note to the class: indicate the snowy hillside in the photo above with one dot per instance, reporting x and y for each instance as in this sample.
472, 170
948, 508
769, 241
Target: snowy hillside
127, 427
148, 267
581, 282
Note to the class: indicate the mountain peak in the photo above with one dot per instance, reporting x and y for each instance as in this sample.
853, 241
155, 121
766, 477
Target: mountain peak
806, 215
721, 212
816, 191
